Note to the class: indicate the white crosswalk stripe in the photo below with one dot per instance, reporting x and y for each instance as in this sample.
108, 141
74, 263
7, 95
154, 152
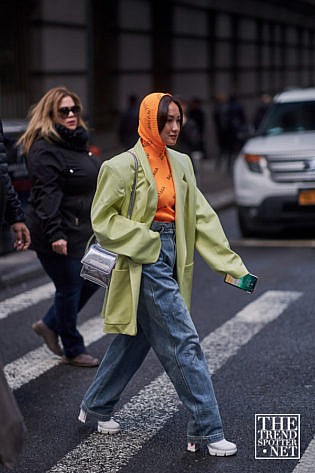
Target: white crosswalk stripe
26, 299
38, 361
147, 412
307, 462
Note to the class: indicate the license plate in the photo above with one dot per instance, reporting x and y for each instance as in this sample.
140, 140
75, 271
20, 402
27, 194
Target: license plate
307, 197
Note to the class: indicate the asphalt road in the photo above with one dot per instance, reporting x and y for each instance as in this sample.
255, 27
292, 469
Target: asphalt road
260, 349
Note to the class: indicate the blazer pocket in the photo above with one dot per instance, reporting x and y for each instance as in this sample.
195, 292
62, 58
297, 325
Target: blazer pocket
118, 304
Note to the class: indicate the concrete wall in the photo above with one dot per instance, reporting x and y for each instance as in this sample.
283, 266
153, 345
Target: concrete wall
107, 49
59, 47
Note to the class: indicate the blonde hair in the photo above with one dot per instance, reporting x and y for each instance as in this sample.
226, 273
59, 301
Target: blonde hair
42, 117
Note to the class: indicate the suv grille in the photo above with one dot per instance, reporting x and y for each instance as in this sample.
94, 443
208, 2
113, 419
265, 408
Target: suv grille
295, 168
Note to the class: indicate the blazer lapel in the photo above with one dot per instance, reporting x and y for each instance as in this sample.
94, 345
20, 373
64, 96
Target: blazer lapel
150, 196
140, 153
181, 191
179, 182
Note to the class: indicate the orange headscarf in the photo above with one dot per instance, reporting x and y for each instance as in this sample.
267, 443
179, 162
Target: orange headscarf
148, 123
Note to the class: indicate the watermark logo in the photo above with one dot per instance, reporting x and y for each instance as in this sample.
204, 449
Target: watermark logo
277, 436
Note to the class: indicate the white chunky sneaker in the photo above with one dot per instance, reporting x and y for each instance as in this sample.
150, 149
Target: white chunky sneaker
223, 448
104, 427
192, 447
108, 427
82, 416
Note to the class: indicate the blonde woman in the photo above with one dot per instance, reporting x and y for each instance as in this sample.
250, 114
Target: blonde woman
63, 176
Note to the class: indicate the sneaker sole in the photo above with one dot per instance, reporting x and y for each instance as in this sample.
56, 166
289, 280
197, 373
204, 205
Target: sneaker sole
103, 430
222, 453
193, 448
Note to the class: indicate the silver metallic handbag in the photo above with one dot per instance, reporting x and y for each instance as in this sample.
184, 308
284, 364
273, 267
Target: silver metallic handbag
98, 263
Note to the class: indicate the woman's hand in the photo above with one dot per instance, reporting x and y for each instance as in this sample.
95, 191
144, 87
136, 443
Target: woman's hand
60, 247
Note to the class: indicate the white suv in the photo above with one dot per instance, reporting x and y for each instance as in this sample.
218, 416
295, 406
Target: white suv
274, 174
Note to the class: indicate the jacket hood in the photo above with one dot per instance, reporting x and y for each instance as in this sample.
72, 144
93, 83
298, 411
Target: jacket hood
148, 124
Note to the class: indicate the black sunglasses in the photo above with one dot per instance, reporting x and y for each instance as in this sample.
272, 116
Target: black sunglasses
64, 111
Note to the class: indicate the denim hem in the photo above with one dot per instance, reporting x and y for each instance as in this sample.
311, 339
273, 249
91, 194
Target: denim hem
87, 411
205, 440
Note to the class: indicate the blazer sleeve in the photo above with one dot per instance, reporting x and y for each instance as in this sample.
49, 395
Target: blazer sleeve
112, 228
211, 242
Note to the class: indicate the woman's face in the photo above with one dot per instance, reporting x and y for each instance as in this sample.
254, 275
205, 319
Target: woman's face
68, 113
171, 129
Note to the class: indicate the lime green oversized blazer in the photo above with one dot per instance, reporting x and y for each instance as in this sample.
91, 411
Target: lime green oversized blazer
197, 226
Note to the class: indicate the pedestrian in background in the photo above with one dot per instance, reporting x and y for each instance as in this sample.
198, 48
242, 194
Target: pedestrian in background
128, 124
221, 126
237, 126
231, 128
263, 106
189, 139
11, 420
196, 113
10, 208
63, 180
148, 299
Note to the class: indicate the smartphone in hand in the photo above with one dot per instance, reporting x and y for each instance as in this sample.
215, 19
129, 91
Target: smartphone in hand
247, 282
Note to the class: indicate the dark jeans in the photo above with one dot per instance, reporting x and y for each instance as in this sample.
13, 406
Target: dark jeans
72, 292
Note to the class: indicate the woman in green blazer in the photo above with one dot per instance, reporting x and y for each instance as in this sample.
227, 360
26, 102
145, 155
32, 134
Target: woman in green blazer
147, 303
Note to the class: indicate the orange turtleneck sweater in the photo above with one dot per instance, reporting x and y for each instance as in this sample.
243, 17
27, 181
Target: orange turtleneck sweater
156, 153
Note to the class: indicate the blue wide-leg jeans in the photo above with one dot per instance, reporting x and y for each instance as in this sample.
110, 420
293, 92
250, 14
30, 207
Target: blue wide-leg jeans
164, 323
72, 293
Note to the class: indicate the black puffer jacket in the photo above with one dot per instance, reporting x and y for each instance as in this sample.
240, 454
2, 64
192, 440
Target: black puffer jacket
10, 205
63, 177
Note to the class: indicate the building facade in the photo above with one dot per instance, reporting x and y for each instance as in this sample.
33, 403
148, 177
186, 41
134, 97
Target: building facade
107, 49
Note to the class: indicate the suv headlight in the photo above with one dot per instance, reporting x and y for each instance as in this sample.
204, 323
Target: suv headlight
255, 162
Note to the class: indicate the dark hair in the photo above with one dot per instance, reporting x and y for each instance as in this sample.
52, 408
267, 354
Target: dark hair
163, 111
